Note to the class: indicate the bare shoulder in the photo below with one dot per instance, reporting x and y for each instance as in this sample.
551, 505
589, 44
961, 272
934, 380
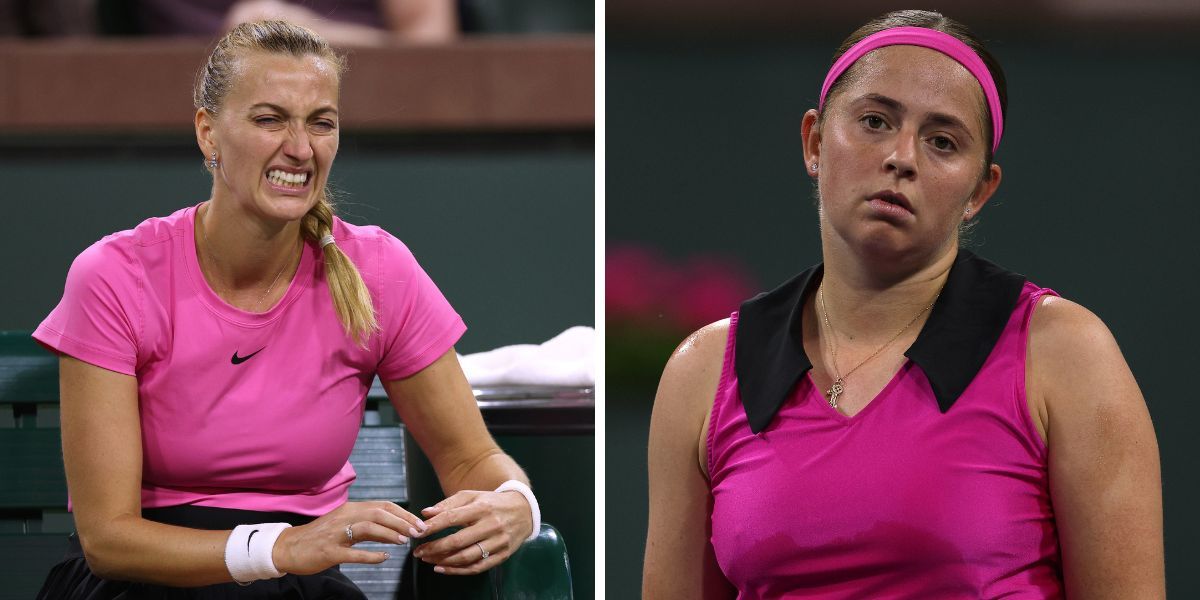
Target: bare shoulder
1066, 325
1069, 340
690, 378
703, 350
1077, 367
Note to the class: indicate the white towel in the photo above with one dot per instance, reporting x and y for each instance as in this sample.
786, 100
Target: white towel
568, 359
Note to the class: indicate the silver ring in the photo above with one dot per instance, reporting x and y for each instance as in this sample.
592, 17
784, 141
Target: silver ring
350, 533
483, 552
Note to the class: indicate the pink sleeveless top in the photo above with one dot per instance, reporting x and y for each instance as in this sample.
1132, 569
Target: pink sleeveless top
903, 500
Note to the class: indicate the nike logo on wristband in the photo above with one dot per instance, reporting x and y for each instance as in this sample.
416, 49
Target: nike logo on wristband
237, 360
255, 531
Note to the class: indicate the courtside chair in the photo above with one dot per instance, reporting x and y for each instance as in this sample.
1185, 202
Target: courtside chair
34, 522
539, 570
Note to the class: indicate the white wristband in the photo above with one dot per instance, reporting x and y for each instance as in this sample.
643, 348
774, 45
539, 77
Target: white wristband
248, 552
512, 485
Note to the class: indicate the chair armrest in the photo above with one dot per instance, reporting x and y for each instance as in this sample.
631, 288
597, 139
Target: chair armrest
539, 570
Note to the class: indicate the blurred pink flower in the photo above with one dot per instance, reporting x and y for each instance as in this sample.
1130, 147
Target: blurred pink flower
635, 281
710, 289
642, 287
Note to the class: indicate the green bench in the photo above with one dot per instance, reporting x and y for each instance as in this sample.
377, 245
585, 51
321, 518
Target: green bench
34, 522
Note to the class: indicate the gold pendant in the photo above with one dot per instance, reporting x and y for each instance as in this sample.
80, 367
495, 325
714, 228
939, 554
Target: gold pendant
835, 390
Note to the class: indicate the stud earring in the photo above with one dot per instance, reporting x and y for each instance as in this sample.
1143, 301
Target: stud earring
212, 162
813, 168
967, 212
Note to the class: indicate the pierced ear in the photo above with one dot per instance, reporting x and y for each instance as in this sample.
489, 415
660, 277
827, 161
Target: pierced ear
984, 191
205, 134
810, 134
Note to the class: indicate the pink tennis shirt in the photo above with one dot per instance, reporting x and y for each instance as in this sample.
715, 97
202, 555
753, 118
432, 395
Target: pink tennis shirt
938, 488
245, 410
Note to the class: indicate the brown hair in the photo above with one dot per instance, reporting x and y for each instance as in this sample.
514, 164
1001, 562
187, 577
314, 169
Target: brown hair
351, 298
938, 22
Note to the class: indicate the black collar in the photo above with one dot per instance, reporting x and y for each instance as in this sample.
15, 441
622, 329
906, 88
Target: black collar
963, 327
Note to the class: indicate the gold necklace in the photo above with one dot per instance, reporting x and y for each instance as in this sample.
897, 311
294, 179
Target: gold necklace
211, 253
838, 386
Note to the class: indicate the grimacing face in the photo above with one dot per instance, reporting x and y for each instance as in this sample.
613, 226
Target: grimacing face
900, 151
276, 134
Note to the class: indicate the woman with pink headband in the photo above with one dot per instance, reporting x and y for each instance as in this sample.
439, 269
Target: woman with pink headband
905, 419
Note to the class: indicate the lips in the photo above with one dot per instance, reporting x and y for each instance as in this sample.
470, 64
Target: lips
894, 198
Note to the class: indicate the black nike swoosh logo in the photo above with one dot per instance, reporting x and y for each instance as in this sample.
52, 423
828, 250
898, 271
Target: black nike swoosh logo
237, 360
252, 532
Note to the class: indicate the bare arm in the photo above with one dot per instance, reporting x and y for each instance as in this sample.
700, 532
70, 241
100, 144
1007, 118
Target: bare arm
1105, 481
102, 453
679, 558
440, 412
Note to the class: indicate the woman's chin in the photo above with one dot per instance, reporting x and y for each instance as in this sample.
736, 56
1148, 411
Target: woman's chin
886, 244
891, 252
285, 208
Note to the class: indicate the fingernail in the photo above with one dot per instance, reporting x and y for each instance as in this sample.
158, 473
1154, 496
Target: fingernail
386, 556
439, 569
418, 552
422, 525
414, 532
403, 540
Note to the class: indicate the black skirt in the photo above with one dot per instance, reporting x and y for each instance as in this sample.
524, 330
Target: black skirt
72, 579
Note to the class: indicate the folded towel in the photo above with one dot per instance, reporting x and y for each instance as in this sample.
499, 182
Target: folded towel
568, 359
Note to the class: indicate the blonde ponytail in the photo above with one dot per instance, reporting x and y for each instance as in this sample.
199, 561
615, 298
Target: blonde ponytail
351, 298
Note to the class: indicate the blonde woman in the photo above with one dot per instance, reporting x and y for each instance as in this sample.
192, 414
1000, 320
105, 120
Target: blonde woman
214, 364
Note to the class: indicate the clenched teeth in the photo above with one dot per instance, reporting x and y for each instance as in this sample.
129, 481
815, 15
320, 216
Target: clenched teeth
296, 180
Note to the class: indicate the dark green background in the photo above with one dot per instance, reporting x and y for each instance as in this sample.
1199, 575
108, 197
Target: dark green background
1098, 201
503, 224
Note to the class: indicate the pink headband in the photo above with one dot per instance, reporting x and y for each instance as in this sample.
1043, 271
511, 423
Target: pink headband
926, 38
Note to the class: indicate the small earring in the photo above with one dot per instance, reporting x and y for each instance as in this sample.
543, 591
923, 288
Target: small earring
968, 212
813, 167
212, 162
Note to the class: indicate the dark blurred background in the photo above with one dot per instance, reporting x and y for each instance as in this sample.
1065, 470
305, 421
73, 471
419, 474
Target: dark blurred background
474, 147
706, 182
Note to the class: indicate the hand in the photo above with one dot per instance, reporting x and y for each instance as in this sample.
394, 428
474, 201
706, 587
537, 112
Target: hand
323, 543
499, 522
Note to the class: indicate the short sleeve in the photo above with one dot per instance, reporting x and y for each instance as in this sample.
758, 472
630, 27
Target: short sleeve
417, 323
96, 320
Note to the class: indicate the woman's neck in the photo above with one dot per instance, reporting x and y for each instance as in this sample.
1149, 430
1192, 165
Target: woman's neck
246, 252
868, 303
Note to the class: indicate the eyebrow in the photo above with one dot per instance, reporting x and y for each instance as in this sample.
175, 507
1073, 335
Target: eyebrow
280, 109
934, 117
